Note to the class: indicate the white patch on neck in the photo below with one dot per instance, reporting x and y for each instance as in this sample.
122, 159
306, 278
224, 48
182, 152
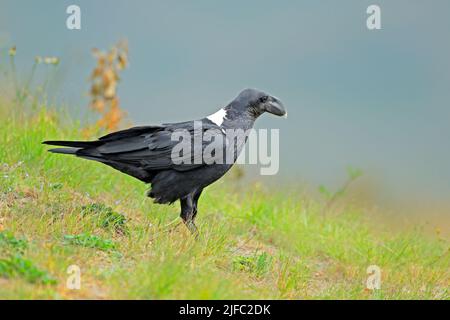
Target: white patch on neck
218, 117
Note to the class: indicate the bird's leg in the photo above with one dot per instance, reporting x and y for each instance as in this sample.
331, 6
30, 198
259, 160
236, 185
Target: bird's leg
195, 201
187, 214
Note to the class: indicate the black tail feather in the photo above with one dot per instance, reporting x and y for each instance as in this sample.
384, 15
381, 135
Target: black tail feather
64, 150
74, 144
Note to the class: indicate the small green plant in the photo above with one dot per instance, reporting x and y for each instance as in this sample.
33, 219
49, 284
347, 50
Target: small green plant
257, 264
26, 91
90, 241
10, 243
12, 263
331, 197
56, 186
107, 217
17, 266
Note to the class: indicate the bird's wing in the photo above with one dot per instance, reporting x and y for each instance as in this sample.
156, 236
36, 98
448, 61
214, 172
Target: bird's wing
131, 132
150, 148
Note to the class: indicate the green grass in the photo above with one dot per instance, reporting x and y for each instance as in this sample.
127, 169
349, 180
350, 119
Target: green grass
90, 241
18, 267
57, 211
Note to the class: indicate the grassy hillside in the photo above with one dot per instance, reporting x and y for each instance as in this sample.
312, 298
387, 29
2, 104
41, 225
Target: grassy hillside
57, 211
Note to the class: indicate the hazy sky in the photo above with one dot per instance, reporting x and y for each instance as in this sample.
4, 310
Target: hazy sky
377, 100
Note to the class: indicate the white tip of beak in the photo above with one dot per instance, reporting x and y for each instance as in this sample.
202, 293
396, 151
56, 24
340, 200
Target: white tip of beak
285, 115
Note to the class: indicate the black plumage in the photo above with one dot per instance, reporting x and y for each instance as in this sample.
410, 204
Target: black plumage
146, 152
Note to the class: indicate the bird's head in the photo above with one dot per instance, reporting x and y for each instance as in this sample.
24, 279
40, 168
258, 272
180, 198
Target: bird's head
255, 103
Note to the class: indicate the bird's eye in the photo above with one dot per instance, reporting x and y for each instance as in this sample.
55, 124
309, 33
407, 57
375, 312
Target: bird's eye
263, 99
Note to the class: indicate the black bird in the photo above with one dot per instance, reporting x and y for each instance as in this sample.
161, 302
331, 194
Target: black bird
145, 152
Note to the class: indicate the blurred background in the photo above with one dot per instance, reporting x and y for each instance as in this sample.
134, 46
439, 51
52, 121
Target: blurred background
375, 100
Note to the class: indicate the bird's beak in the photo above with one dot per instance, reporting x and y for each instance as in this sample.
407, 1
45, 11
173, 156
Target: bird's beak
274, 106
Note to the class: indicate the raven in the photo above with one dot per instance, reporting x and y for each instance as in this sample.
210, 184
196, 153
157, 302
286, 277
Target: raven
146, 152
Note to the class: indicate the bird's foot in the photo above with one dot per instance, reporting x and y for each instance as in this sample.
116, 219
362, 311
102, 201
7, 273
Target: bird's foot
192, 228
